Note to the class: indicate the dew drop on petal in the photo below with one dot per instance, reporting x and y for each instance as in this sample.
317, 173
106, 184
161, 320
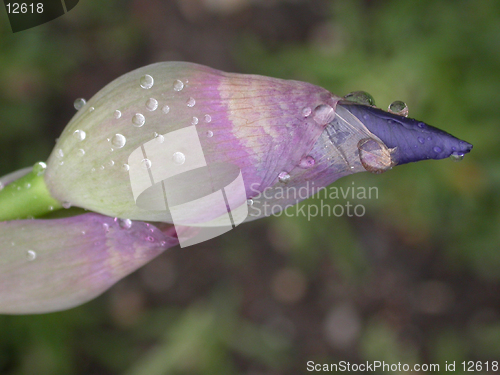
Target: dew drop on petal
66, 204
194, 121
91, 109
146, 81
39, 168
399, 108
437, 149
60, 153
165, 109
152, 104
125, 223
138, 120
249, 202
208, 118
360, 97
191, 102
178, 85
323, 114
80, 152
125, 167
105, 226
284, 177
421, 140
146, 163
79, 103
178, 158
457, 156
307, 162
118, 140
118, 114
30, 255
374, 156
306, 111
79, 135
111, 163
210, 134
160, 138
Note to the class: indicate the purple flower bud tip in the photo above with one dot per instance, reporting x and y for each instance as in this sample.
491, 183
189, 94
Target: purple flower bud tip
410, 140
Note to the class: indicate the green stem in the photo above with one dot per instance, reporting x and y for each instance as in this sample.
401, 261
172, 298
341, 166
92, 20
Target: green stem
27, 197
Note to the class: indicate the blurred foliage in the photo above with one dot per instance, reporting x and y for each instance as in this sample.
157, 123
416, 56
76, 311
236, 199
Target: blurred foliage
416, 279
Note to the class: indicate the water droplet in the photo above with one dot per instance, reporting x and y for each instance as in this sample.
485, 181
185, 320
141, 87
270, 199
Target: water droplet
307, 162
150, 239
163, 243
323, 114
457, 156
79, 103
80, 152
152, 104
165, 109
421, 140
111, 163
399, 108
249, 202
105, 226
160, 138
118, 140
208, 118
437, 149
30, 255
360, 97
39, 168
125, 167
51, 208
284, 177
27, 185
146, 81
374, 156
194, 121
178, 158
178, 85
306, 111
91, 109
191, 102
66, 205
210, 134
125, 223
60, 153
101, 167
138, 120
118, 114
146, 163
421, 125
79, 135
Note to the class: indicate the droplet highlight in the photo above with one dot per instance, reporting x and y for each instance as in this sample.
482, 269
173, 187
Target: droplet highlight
39, 168
146, 163
118, 140
117, 114
146, 81
399, 108
138, 120
125, 223
360, 97
165, 109
30, 255
284, 177
191, 102
306, 111
323, 114
79, 103
178, 85
307, 162
79, 135
208, 118
179, 158
374, 156
457, 156
151, 104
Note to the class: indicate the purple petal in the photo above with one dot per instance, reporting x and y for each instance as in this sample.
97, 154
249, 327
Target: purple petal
411, 140
50, 265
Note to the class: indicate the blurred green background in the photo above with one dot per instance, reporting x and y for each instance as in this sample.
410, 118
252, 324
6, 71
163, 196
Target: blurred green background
415, 280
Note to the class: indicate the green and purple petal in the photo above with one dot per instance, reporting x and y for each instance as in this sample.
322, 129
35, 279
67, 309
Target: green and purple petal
50, 265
